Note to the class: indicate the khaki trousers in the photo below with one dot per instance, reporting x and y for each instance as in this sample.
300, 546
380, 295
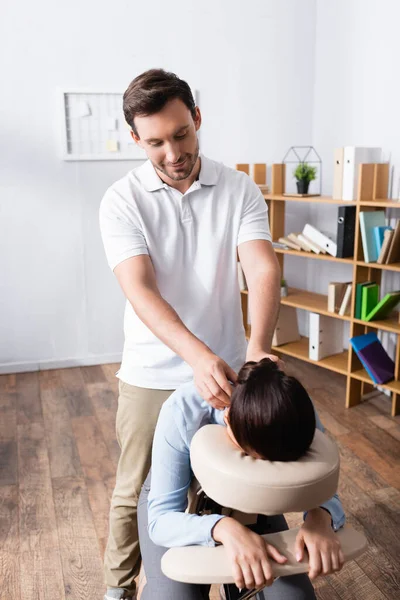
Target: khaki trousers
137, 414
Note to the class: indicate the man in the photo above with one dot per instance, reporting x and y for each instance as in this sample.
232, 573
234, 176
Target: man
171, 231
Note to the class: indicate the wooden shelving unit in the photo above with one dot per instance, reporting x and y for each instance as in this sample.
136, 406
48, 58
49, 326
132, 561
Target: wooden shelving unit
373, 186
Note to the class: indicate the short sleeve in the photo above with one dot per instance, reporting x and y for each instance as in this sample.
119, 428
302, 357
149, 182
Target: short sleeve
120, 229
254, 218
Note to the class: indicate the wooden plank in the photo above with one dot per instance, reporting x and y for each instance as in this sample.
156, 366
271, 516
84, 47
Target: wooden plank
42, 576
99, 494
78, 402
28, 398
93, 374
365, 450
104, 401
351, 583
10, 576
63, 452
9, 533
8, 463
358, 470
36, 507
8, 384
82, 567
93, 452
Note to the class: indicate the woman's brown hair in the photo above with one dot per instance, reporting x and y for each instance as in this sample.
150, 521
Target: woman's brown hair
271, 413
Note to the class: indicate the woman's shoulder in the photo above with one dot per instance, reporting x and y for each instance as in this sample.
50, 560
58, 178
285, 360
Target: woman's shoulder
188, 409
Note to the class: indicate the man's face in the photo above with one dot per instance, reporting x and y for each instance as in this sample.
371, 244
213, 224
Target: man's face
169, 139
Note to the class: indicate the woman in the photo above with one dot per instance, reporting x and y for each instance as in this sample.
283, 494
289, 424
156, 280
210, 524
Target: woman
270, 417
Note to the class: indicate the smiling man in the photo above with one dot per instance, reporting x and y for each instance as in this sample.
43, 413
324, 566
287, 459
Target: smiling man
172, 229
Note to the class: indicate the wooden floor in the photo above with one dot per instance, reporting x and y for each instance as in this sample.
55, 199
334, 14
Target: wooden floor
58, 456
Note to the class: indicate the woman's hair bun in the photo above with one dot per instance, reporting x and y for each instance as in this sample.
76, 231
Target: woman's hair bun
253, 369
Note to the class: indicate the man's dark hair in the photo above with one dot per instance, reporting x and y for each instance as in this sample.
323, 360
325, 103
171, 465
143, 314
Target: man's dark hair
271, 413
148, 93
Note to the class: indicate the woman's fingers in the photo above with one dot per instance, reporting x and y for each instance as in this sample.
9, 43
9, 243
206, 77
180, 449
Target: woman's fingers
335, 561
248, 576
275, 554
267, 570
326, 561
314, 562
238, 576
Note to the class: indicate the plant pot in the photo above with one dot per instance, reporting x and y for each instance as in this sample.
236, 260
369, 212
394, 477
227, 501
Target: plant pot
302, 187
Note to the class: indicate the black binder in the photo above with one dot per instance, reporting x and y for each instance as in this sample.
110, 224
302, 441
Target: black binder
346, 226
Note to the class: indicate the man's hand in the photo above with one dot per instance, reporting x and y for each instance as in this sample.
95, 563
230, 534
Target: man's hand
212, 376
256, 355
323, 546
248, 553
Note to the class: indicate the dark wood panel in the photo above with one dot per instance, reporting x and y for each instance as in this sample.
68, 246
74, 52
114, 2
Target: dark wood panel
36, 507
63, 452
28, 398
8, 463
73, 384
93, 452
93, 374
9, 532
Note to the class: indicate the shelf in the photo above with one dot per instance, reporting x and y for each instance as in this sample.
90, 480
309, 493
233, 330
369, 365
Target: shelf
336, 362
390, 324
305, 254
362, 375
318, 199
374, 265
310, 301
380, 203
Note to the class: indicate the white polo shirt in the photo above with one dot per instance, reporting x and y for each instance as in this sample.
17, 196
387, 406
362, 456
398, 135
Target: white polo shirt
192, 240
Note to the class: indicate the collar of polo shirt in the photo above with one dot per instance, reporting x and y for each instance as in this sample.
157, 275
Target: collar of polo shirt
151, 181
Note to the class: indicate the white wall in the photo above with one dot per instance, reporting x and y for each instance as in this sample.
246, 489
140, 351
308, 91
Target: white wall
356, 101
59, 304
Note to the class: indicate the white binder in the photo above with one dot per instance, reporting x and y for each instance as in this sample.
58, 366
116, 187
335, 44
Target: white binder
353, 156
325, 336
338, 174
324, 241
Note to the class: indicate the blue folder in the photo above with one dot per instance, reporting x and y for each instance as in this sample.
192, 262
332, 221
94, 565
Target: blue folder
359, 342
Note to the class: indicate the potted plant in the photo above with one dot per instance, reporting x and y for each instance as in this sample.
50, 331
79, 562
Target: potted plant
304, 173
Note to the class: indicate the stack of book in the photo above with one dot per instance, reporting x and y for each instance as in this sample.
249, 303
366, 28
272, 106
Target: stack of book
381, 243
368, 307
313, 240
310, 240
339, 297
374, 357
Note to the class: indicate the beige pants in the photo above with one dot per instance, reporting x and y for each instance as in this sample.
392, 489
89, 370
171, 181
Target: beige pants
137, 415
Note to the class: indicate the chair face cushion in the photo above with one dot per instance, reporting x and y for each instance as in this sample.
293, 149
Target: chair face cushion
236, 480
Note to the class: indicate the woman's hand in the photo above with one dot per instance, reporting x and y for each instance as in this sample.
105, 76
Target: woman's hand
323, 546
248, 552
212, 376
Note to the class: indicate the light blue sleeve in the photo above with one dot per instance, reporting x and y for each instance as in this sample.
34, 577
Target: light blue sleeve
171, 476
333, 506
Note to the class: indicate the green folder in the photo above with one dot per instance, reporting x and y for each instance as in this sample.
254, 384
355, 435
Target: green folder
359, 287
384, 307
369, 299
